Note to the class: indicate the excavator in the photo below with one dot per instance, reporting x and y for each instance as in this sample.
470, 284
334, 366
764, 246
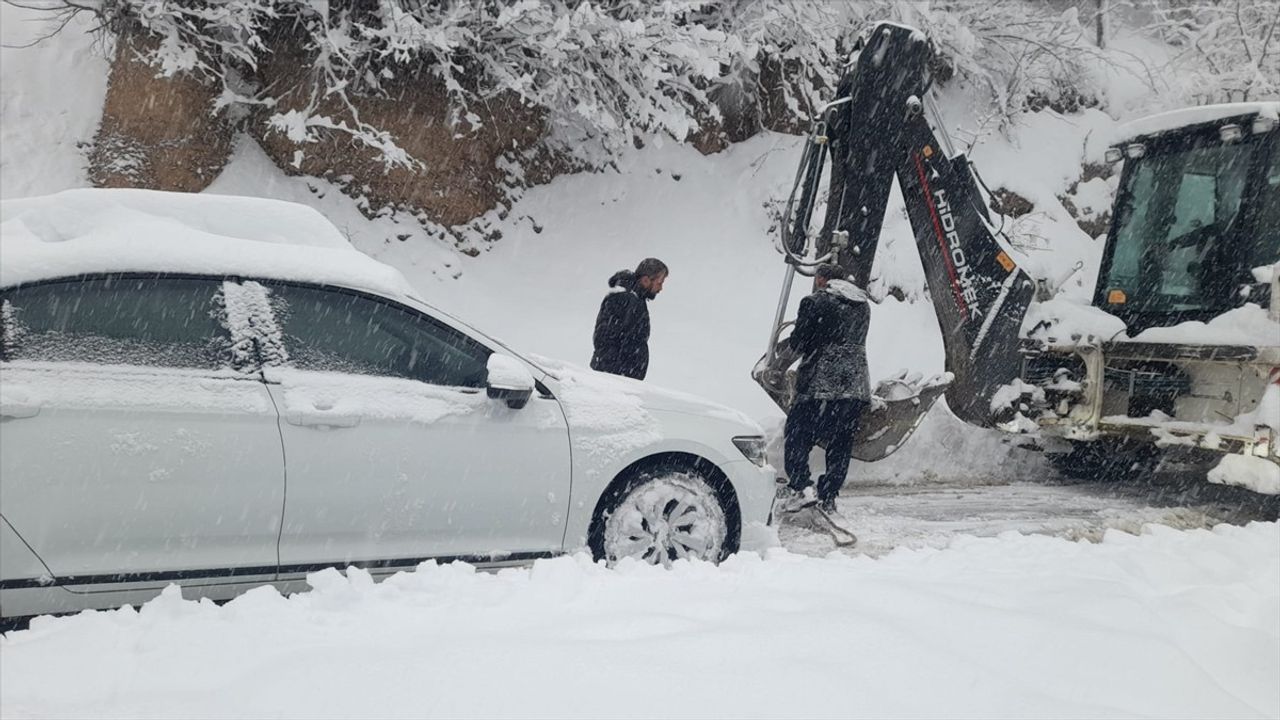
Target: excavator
1180, 353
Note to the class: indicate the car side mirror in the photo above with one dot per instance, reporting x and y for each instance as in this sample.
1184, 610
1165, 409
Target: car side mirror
509, 380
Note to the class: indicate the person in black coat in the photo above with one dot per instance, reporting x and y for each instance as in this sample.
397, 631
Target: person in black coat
832, 385
622, 327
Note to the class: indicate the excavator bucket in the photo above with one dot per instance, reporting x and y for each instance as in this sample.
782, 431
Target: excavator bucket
898, 404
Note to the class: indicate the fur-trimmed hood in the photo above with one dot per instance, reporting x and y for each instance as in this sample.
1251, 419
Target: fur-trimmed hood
622, 280
847, 291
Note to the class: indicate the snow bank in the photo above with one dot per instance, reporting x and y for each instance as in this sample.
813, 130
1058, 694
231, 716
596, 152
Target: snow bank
50, 100
1044, 155
1166, 624
1257, 474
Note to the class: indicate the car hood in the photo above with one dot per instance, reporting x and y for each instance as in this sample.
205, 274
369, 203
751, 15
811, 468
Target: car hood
583, 385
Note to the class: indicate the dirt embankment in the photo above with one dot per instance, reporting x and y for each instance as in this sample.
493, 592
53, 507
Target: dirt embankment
460, 176
157, 133
161, 133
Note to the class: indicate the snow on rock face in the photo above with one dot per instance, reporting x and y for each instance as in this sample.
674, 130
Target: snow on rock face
1162, 624
1092, 198
1254, 473
96, 230
1050, 151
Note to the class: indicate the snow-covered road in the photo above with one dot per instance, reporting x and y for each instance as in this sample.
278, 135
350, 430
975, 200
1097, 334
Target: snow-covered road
1164, 624
934, 513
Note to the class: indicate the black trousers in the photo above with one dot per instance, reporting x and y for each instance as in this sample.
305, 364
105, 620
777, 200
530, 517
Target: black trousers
830, 422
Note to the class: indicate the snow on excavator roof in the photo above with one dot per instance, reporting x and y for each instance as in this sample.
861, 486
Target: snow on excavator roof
76, 232
1177, 119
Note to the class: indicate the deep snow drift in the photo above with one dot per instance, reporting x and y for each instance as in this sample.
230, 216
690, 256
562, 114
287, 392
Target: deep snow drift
1166, 624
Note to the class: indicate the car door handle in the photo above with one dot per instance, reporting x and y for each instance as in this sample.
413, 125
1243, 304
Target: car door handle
15, 410
321, 419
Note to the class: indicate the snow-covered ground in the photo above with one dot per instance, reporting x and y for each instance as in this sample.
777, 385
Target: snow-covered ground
1166, 624
934, 513
1054, 613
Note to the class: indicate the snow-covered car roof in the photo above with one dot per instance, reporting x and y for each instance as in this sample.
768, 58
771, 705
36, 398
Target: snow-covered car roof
1175, 119
77, 232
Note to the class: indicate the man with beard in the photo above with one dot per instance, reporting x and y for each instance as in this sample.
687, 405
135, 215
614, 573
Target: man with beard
622, 326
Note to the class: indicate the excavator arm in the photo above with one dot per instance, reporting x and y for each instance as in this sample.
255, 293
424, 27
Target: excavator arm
876, 130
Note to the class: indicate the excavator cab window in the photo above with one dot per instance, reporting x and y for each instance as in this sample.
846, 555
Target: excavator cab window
1265, 248
1190, 224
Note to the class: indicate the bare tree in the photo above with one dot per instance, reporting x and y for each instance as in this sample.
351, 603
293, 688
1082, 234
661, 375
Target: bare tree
1227, 50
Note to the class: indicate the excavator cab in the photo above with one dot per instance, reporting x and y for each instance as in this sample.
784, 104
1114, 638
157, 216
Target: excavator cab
1195, 238
1198, 208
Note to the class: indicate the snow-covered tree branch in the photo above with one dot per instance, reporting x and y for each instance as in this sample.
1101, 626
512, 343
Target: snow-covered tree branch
601, 72
1228, 50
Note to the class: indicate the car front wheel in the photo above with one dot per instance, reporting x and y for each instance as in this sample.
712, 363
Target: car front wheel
666, 517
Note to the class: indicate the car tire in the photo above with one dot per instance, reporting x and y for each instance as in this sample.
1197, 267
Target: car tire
660, 516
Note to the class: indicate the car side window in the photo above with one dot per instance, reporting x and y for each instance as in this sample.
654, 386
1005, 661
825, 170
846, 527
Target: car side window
338, 331
166, 322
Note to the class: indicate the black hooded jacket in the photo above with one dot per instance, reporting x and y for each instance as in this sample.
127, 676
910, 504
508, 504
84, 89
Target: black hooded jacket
831, 334
622, 329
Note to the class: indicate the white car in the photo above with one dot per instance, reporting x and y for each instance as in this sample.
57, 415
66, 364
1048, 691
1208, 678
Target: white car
220, 392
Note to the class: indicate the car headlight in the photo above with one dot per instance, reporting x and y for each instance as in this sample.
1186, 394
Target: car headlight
753, 447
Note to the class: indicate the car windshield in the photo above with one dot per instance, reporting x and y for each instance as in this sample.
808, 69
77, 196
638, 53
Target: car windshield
1185, 238
476, 332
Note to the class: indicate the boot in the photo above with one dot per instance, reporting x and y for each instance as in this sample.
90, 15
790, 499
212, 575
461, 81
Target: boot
793, 500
